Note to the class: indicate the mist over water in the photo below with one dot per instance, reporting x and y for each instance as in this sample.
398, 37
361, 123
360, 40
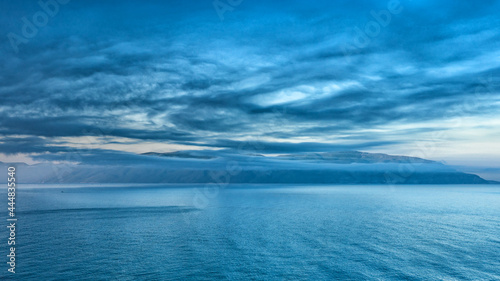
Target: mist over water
260, 232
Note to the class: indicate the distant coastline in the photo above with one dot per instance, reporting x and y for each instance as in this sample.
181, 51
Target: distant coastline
348, 167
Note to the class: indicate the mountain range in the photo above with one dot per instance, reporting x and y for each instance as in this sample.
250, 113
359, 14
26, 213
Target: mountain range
229, 166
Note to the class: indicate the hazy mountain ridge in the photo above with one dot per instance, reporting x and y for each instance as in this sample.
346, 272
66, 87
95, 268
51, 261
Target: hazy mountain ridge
349, 167
347, 157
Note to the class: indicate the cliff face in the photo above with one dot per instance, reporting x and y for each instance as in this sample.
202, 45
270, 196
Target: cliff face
208, 167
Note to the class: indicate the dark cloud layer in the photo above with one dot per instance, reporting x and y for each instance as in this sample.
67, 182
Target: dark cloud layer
174, 72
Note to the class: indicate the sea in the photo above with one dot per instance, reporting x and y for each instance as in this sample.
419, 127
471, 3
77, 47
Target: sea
254, 232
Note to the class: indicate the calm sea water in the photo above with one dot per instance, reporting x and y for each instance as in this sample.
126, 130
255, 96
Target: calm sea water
256, 232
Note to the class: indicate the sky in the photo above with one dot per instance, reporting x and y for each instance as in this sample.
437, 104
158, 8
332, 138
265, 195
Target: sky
105, 78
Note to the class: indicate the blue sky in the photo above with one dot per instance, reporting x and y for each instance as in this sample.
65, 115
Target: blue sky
418, 78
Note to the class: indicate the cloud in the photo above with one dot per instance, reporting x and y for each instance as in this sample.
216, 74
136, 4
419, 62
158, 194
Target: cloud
173, 72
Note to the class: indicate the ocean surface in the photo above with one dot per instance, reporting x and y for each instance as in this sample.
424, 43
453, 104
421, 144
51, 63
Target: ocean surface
255, 232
